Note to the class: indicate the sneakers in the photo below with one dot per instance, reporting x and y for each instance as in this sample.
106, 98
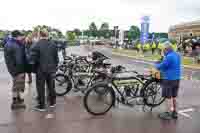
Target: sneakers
52, 104
174, 115
168, 115
40, 108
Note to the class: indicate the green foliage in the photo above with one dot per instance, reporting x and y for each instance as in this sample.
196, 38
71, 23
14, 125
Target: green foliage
104, 30
86, 32
53, 32
104, 26
71, 36
134, 33
160, 35
93, 30
2, 34
56, 33
77, 32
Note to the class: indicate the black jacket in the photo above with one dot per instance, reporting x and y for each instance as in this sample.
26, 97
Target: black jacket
14, 54
44, 56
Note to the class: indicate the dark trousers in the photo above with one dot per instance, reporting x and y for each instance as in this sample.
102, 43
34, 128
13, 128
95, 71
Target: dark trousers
41, 80
153, 50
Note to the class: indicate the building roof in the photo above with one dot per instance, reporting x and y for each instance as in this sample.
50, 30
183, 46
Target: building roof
181, 25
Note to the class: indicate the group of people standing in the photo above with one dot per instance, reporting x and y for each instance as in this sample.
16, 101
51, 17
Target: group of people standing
30, 54
40, 56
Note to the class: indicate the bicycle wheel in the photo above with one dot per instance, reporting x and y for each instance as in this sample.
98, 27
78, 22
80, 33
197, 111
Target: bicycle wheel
99, 103
152, 93
62, 84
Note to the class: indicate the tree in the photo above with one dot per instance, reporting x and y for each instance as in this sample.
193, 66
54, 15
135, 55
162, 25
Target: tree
93, 30
160, 35
2, 34
38, 28
77, 32
134, 33
104, 30
53, 32
56, 33
86, 32
71, 36
104, 26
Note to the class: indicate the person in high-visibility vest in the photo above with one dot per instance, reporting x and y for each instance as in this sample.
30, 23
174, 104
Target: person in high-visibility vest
153, 47
144, 48
160, 47
138, 47
148, 46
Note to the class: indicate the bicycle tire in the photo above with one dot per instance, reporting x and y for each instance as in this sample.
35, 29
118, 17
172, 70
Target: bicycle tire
66, 80
107, 90
147, 90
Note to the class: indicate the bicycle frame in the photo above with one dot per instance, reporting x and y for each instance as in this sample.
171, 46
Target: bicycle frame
119, 94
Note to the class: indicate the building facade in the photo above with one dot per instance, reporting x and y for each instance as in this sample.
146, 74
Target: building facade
184, 30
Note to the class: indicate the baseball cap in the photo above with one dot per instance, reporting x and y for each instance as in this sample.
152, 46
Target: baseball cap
167, 44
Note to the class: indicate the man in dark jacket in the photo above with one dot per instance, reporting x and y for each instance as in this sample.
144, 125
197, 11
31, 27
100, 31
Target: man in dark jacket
44, 55
14, 54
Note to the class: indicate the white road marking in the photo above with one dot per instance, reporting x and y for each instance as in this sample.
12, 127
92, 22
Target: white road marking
49, 116
184, 112
186, 115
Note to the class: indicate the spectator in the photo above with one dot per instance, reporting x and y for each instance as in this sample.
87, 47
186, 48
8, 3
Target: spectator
170, 68
160, 48
28, 66
153, 47
44, 54
6, 39
14, 53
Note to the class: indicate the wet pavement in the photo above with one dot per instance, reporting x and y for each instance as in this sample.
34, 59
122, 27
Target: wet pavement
69, 116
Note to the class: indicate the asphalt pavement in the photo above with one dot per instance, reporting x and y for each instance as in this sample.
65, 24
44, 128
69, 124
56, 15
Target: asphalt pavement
69, 116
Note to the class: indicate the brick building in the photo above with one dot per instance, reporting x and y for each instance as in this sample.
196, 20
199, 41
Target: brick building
184, 30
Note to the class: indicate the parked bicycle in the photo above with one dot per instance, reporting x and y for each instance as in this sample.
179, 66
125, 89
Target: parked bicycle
79, 74
131, 90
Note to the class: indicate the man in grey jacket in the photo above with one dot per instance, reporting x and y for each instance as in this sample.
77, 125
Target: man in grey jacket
14, 54
45, 57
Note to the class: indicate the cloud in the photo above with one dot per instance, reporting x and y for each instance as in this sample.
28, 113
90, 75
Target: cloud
69, 14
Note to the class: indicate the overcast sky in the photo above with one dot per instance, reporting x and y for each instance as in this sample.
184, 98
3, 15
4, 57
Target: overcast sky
69, 14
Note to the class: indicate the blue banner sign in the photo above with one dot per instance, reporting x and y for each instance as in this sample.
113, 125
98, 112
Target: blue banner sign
144, 29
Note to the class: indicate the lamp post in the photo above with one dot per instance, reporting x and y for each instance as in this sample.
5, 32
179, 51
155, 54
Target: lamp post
115, 35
